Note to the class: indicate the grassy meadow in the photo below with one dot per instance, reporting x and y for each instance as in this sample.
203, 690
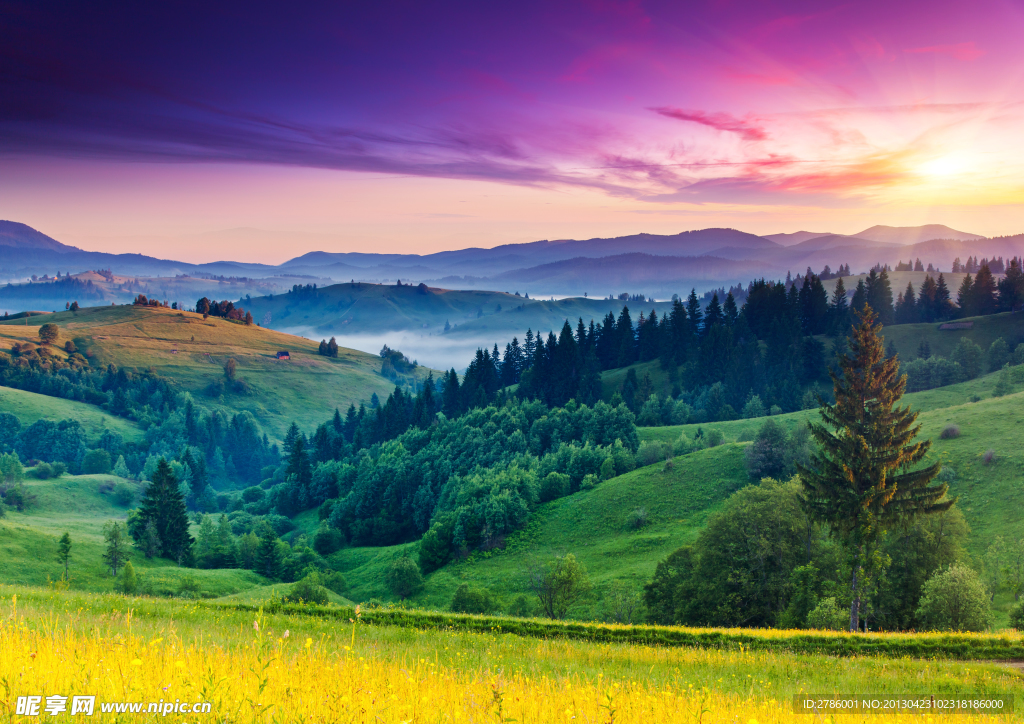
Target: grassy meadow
290, 667
192, 351
29, 407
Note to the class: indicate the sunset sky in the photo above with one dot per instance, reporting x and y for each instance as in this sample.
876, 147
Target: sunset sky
258, 131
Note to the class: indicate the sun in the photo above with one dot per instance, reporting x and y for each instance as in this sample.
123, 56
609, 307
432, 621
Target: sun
943, 167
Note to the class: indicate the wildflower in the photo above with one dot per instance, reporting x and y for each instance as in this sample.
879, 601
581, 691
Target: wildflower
287, 633
256, 625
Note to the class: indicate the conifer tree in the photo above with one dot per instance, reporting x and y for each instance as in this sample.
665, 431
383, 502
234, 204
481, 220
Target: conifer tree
64, 552
116, 551
863, 477
839, 309
164, 506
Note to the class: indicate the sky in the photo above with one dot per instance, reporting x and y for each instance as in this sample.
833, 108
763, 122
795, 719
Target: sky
258, 131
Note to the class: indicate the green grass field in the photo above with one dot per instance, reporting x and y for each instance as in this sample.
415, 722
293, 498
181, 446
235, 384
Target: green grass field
29, 407
192, 351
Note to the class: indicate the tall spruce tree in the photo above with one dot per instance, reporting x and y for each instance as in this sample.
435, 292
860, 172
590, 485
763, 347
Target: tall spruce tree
863, 477
164, 506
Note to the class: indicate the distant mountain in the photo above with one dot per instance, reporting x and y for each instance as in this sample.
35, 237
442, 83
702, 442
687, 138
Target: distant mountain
22, 236
915, 234
834, 241
796, 237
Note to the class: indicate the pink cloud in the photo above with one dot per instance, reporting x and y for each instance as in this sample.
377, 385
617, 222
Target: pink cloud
720, 121
960, 51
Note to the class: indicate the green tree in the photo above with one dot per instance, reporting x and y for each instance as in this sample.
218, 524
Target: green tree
48, 333
64, 553
163, 505
955, 600
827, 616
129, 583
969, 356
403, 577
560, 584
309, 589
436, 544
768, 456
268, 557
863, 478
471, 600
121, 468
116, 552
96, 462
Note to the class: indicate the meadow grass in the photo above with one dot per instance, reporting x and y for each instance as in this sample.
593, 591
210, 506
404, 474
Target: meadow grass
29, 407
296, 667
192, 351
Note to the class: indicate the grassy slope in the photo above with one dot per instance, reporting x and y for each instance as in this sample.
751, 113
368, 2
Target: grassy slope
306, 389
29, 407
74, 504
592, 525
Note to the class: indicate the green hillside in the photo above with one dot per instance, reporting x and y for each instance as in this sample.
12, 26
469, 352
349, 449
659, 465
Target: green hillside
81, 505
593, 525
192, 351
29, 407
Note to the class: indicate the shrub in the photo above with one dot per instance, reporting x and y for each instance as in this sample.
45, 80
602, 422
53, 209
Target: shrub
123, 494
58, 468
589, 482
769, 456
650, 452
776, 410
334, 581
309, 589
754, 408
48, 333
188, 586
403, 577
950, 432
954, 600
637, 519
327, 541
253, 494
998, 354
715, 437
471, 600
828, 616
11, 470
44, 471
129, 581
1017, 616
608, 468
96, 462
554, 486
989, 457
969, 356
521, 607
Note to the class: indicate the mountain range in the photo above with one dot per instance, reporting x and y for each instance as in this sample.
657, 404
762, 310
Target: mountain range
653, 264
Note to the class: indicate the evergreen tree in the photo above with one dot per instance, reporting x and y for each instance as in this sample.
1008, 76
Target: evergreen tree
694, 315
713, 314
943, 301
862, 479
116, 552
965, 297
164, 507
860, 297
839, 310
730, 310
984, 292
906, 306
332, 348
64, 552
268, 554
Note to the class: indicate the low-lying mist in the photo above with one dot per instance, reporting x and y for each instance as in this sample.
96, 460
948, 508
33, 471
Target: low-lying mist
436, 351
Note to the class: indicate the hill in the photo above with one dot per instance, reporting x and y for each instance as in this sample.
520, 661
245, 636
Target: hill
192, 351
29, 407
915, 234
21, 236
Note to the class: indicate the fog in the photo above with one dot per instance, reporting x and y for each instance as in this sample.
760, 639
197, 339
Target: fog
438, 352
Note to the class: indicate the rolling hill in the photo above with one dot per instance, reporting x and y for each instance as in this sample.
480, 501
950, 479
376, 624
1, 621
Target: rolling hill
192, 351
915, 234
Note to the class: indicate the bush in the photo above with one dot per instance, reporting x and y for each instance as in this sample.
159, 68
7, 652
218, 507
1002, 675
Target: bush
828, 616
608, 468
471, 600
44, 471
253, 494
969, 356
403, 577
715, 437
769, 456
650, 452
521, 607
589, 482
1017, 616
327, 541
554, 486
950, 432
998, 355
129, 581
96, 462
954, 600
334, 581
309, 589
123, 494
637, 519
754, 408
188, 586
